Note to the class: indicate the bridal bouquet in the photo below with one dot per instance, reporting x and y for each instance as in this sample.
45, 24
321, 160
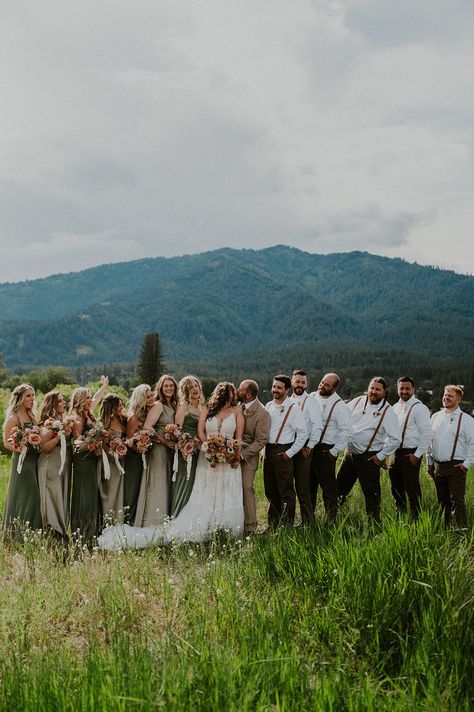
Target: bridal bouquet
24, 436
221, 449
92, 439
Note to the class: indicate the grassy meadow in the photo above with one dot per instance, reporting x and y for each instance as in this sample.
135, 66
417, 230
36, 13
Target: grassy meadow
342, 618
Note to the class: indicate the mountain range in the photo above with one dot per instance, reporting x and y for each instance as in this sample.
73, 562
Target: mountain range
235, 304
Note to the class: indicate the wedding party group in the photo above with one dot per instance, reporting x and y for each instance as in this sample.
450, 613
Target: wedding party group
174, 468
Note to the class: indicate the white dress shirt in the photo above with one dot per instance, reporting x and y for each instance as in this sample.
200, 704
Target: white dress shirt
312, 417
365, 418
339, 429
444, 425
418, 432
295, 427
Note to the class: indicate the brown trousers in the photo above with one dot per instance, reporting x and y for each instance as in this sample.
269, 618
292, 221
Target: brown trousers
450, 483
301, 474
323, 474
359, 467
279, 485
405, 482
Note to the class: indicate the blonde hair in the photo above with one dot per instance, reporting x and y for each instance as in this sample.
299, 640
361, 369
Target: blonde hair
138, 406
457, 389
79, 396
160, 396
49, 406
16, 399
184, 389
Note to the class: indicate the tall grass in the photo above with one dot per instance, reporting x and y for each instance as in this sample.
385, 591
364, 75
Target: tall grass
342, 618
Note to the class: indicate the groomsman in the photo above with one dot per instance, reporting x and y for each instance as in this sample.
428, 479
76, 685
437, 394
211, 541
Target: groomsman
287, 436
254, 439
375, 436
336, 418
404, 471
302, 460
450, 455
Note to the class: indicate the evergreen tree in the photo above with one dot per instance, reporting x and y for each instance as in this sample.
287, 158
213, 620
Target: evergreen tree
150, 362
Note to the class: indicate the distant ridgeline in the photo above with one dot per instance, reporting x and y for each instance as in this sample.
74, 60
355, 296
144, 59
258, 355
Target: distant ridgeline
247, 311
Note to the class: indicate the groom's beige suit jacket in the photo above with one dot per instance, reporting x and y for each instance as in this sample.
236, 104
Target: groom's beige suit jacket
257, 428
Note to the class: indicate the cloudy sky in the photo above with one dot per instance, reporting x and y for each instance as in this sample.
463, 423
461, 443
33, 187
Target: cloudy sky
143, 128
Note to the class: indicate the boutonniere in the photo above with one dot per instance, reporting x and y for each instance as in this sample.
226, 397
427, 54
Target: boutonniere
249, 411
282, 409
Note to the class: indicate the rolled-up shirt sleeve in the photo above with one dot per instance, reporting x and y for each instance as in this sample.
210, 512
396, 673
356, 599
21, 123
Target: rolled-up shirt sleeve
393, 435
299, 426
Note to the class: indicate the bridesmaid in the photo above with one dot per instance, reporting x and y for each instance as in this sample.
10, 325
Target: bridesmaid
22, 507
85, 505
191, 402
54, 487
141, 401
114, 419
153, 502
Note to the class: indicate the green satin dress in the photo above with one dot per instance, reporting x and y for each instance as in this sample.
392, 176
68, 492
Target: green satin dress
182, 486
133, 467
85, 499
23, 506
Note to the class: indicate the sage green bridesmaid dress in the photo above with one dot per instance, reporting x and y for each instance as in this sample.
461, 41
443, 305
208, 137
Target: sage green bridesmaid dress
53, 489
182, 486
112, 491
23, 508
153, 502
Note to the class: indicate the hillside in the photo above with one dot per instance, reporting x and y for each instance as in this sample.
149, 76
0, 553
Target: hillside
231, 302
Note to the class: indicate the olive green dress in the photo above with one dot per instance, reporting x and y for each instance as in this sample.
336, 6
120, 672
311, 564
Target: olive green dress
54, 489
182, 486
133, 466
85, 500
153, 501
22, 507
111, 491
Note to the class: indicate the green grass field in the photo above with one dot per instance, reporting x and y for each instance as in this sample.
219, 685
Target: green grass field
343, 618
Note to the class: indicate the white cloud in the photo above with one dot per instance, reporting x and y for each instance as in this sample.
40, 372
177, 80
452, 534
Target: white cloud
172, 128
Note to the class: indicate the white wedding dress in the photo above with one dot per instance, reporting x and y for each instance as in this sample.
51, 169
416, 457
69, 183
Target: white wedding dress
215, 503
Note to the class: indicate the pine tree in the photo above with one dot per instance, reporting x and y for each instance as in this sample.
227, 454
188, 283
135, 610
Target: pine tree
150, 362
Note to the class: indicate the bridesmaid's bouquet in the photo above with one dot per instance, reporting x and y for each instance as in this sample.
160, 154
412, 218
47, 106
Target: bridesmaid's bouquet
61, 428
221, 449
172, 433
142, 441
116, 448
92, 439
24, 436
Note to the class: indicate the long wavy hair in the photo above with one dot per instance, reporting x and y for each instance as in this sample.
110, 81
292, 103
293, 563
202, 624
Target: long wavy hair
78, 398
184, 389
137, 405
224, 393
109, 409
16, 399
49, 406
160, 396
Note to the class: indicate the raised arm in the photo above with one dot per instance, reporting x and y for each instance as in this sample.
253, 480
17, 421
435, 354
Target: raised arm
101, 392
133, 425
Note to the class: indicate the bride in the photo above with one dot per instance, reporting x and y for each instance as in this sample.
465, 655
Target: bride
216, 499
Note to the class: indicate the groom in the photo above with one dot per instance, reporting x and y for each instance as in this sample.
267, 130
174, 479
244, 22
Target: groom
254, 439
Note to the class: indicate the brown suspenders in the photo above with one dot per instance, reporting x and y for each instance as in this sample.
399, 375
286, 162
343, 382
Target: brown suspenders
327, 421
405, 424
283, 423
458, 430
